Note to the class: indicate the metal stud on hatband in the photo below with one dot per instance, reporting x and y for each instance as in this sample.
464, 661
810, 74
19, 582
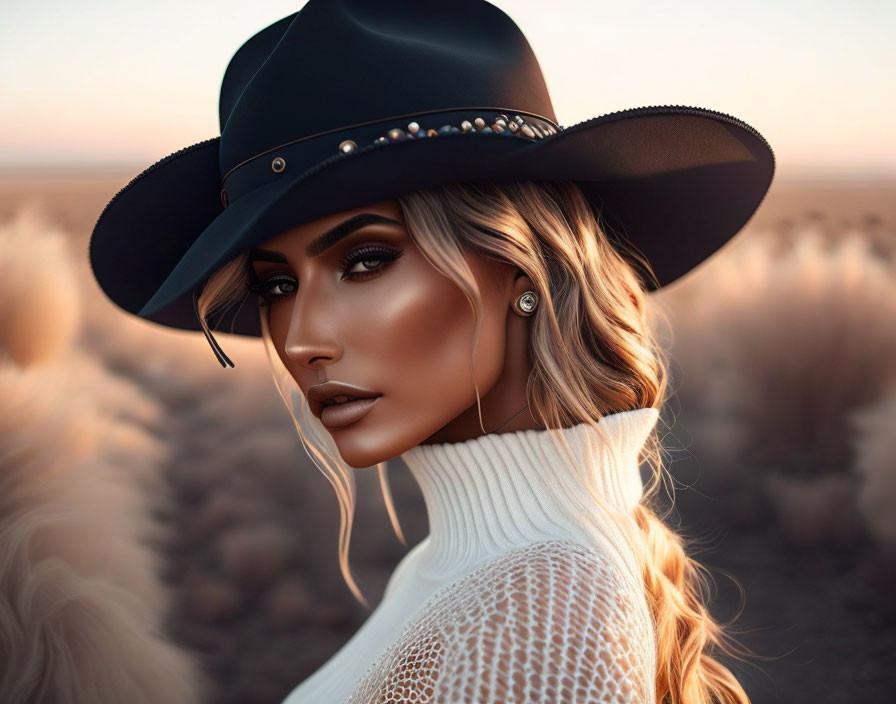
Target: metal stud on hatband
278, 164
501, 125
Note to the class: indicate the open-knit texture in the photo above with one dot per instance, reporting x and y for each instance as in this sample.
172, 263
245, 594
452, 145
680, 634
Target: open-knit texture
526, 588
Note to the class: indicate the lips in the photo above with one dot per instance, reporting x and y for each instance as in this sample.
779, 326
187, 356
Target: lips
338, 402
339, 415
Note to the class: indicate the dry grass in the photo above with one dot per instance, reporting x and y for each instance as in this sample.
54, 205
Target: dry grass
776, 348
81, 605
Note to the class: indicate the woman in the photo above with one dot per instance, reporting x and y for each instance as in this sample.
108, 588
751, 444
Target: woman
444, 274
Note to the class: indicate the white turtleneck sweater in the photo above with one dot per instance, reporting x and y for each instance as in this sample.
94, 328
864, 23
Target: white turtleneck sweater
525, 589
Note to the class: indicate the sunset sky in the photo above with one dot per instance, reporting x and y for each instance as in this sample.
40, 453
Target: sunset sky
103, 83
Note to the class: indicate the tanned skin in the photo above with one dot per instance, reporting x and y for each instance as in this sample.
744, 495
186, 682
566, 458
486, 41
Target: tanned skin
400, 329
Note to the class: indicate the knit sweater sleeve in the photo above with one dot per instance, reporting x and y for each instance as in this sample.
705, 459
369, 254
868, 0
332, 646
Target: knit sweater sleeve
552, 622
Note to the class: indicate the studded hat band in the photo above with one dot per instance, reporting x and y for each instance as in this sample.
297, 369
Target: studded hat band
301, 154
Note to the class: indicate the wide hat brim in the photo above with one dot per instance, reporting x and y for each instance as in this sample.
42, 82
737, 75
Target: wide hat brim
676, 182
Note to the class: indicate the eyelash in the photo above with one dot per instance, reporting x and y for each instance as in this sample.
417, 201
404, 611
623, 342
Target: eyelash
385, 255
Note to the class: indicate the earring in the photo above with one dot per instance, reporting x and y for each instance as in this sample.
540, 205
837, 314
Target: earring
527, 303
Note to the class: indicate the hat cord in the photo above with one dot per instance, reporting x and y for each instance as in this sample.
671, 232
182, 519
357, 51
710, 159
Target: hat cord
216, 348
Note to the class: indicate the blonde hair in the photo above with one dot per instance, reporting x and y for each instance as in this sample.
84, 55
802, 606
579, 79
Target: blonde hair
591, 331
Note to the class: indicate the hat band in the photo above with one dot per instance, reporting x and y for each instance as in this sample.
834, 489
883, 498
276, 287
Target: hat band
297, 156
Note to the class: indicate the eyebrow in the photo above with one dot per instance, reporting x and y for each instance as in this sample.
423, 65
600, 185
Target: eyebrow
328, 238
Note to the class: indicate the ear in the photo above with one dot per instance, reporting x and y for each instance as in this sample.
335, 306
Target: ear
521, 284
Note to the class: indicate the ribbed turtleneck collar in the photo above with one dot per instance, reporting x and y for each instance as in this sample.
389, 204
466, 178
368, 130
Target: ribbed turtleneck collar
488, 494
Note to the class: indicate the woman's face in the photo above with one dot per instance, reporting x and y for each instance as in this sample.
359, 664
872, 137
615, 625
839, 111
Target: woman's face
355, 301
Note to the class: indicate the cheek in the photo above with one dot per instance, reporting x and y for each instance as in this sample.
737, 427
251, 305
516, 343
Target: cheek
417, 343
421, 331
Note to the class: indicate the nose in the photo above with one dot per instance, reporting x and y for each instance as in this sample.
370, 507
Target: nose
311, 339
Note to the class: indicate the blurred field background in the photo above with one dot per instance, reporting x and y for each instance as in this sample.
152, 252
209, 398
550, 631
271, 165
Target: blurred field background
164, 537
162, 509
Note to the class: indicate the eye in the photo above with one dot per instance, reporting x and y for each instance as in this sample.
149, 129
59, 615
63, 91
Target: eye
267, 288
367, 261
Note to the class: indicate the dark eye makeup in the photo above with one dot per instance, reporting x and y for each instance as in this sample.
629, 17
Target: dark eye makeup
267, 287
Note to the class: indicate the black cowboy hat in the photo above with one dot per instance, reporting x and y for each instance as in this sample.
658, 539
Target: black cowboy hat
350, 102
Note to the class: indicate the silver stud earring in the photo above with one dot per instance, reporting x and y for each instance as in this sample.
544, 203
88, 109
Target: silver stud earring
527, 303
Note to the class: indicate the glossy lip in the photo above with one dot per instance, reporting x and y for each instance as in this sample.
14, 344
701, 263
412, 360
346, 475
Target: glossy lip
319, 393
345, 414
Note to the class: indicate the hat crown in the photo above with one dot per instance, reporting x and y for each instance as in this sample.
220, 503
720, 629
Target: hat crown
338, 63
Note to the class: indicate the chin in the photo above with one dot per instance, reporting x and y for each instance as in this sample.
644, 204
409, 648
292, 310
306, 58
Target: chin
378, 437
365, 443
357, 456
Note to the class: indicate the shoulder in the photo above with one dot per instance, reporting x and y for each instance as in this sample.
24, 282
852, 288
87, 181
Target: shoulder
554, 620
545, 578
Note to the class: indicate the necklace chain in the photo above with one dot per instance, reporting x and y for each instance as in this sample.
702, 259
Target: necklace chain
509, 419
